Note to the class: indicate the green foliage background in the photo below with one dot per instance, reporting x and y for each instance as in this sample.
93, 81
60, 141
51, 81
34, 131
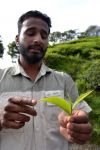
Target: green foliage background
81, 59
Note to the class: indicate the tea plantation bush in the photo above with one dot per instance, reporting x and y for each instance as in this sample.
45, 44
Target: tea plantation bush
81, 59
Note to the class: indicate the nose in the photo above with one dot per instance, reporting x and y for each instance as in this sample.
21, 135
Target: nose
37, 38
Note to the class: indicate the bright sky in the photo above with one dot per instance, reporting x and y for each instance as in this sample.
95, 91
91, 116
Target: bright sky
65, 15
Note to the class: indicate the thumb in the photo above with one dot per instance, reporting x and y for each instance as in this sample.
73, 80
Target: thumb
63, 119
79, 116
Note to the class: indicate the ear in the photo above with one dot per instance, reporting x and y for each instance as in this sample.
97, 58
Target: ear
17, 40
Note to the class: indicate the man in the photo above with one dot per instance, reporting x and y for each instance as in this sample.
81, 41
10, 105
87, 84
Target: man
25, 123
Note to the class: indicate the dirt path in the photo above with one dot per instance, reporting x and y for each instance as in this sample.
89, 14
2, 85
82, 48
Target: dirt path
83, 147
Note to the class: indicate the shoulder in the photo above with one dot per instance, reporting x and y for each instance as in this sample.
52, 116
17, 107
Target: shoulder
2, 71
64, 78
61, 74
61, 77
5, 71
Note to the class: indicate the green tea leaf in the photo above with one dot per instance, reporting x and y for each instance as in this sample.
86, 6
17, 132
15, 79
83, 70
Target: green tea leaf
81, 98
60, 102
70, 102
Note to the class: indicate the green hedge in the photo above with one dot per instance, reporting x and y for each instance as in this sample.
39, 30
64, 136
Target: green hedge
81, 59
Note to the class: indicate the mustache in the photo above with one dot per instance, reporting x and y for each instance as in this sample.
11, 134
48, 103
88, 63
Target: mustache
35, 46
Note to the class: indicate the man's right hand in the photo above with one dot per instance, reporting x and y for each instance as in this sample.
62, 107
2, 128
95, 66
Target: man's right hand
15, 112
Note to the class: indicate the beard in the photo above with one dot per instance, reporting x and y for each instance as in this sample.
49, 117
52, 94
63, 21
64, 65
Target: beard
32, 57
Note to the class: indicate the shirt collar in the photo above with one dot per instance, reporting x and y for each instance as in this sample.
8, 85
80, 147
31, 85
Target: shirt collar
18, 69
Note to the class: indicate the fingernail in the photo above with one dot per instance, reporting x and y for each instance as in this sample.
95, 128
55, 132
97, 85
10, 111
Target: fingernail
65, 119
34, 101
69, 118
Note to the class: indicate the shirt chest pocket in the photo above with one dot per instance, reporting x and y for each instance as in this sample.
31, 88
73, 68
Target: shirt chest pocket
51, 115
51, 111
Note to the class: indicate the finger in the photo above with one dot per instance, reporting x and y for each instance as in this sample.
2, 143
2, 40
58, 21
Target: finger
64, 132
16, 117
79, 117
79, 136
23, 101
73, 140
63, 119
12, 124
79, 128
20, 109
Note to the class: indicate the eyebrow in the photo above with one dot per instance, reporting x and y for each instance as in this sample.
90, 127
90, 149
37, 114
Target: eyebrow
32, 28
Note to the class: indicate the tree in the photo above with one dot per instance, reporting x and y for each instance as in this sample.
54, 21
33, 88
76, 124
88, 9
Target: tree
55, 37
1, 48
93, 30
81, 35
58, 37
13, 50
68, 35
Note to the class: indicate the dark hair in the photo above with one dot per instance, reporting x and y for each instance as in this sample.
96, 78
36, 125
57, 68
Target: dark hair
34, 14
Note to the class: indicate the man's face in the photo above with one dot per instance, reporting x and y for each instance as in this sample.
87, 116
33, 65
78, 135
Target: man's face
33, 40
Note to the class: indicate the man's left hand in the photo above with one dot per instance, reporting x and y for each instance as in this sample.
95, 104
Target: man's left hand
75, 128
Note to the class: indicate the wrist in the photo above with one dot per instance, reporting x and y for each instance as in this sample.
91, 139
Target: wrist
1, 119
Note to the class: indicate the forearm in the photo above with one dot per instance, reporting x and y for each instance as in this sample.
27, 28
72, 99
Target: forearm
0, 126
0, 120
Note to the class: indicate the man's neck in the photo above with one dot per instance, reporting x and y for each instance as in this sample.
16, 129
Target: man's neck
31, 69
